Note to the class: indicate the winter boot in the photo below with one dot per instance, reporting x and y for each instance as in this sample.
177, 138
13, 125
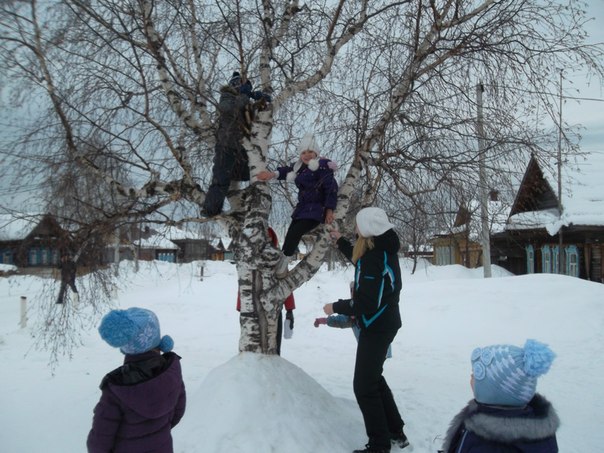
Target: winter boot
281, 267
369, 449
399, 439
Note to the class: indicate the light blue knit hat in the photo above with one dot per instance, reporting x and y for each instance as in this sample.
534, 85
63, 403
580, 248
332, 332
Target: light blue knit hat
506, 375
134, 331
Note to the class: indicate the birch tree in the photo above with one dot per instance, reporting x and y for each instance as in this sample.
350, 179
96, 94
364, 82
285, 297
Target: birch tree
386, 85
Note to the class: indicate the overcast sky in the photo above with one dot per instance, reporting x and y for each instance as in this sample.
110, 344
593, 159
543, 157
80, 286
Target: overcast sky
588, 112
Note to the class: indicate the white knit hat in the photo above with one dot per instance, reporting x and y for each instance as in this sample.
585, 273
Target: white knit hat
308, 143
372, 222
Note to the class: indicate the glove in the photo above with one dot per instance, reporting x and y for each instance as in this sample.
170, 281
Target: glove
246, 88
320, 321
259, 96
289, 316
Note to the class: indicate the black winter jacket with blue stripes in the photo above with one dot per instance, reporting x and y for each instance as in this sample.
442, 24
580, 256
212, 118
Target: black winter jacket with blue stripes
377, 284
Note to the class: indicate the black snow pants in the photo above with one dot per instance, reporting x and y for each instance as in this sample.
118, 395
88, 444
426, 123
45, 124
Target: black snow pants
297, 229
380, 414
64, 284
230, 164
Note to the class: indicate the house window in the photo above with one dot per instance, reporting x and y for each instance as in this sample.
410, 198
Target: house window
572, 261
6, 257
555, 260
168, 257
443, 255
546, 259
32, 257
530, 259
44, 256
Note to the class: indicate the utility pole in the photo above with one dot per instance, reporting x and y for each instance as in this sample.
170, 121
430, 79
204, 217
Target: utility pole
561, 253
482, 177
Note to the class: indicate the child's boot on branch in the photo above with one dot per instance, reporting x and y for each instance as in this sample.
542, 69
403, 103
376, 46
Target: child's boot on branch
281, 268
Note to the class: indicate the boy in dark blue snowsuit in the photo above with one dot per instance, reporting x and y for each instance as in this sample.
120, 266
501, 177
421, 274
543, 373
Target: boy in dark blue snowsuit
230, 158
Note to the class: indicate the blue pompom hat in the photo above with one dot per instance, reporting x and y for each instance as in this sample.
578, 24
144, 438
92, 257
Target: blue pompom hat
506, 375
134, 331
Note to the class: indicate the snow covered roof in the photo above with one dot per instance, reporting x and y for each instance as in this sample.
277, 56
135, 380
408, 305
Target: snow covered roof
547, 218
582, 196
176, 233
226, 241
156, 241
17, 227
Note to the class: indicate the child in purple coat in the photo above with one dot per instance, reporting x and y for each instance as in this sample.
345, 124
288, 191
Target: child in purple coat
143, 399
317, 195
506, 414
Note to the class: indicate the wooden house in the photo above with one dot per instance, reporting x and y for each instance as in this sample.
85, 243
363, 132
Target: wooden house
32, 240
460, 243
193, 247
163, 243
551, 233
220, 249
156, 247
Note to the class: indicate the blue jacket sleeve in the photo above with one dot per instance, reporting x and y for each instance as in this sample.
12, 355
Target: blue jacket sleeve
339, 321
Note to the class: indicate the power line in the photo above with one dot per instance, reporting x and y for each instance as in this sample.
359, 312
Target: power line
547, 93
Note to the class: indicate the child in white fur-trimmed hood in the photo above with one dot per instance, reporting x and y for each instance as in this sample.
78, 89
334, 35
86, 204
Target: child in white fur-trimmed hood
317, 195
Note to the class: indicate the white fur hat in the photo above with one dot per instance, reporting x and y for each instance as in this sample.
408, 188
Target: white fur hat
308, 143
372, 222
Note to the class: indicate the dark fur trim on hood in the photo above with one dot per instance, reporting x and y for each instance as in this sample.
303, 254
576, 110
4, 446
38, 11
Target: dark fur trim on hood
229, 89
538, 420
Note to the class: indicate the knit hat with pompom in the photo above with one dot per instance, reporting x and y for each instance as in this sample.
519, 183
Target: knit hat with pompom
134, 331
506, 375
309, 143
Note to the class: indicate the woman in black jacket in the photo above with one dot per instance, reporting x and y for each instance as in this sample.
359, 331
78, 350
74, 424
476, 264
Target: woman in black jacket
375, 307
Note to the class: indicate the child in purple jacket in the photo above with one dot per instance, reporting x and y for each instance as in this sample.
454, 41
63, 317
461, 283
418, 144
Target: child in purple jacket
317, 195
143, 399
506, 414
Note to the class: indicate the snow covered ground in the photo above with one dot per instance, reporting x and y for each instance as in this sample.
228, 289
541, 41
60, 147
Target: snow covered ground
303, 401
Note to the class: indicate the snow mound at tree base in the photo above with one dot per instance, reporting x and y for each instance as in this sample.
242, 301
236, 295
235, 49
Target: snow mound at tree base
258, 404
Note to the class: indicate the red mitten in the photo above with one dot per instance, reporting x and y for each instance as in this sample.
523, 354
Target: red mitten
319, 321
